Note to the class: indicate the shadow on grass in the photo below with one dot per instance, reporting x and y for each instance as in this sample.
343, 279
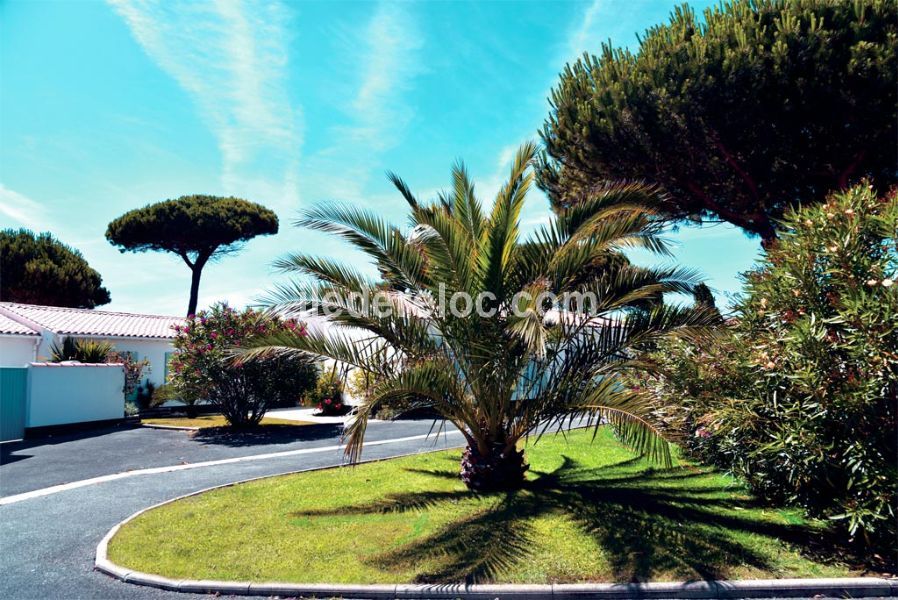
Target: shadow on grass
267, 434
680, 520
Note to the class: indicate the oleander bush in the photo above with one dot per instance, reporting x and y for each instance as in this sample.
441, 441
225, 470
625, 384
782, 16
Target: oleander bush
327, 395
203, 368
798, 395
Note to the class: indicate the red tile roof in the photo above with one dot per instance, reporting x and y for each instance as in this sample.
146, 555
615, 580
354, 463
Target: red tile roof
88, 322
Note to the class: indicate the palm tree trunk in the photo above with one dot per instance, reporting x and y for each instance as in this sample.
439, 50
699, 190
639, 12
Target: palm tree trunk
498, 470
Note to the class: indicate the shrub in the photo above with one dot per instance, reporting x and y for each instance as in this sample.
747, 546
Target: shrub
294, 380
327, 396
134, 370
204, 367
84, 351
145, 393
359, 383
799, 397
689, 380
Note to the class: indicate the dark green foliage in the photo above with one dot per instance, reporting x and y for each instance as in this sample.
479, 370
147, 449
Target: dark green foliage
327, 395
801, 396
739, 114
203, 369
703, 297
85, 351
196, 228
145, 394
39, 269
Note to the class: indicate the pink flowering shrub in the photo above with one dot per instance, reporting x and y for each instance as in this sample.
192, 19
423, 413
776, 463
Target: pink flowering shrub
204, 366
327, 396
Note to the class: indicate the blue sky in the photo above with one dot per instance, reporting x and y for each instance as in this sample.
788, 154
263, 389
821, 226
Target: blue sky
105, 107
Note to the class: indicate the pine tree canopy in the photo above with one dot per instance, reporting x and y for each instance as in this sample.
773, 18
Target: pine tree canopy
753, 107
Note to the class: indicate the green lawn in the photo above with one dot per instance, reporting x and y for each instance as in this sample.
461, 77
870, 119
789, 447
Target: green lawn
212, 421
590, 512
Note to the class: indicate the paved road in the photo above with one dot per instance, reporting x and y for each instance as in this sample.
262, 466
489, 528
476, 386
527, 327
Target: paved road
47, 543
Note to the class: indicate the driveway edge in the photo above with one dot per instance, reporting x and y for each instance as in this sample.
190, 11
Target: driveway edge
856, 587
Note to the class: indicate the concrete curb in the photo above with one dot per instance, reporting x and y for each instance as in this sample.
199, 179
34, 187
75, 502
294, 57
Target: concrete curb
171, 427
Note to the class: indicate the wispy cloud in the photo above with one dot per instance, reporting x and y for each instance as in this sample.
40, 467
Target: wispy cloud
391, 42
378, 110
582, 36
22, 210
231, 59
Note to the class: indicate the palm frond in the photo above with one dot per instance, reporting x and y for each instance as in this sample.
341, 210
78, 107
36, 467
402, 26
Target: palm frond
400, 185
500, 377
372, 235
323, 269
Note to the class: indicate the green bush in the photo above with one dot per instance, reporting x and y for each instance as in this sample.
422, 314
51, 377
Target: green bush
205, 367
84, 351
144, 394
327, 395
798, 396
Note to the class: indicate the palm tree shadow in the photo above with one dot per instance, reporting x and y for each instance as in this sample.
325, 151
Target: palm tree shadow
678, 522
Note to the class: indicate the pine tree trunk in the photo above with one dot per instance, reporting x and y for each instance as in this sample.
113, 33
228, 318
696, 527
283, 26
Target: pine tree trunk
495, 472
194, 289
196, 270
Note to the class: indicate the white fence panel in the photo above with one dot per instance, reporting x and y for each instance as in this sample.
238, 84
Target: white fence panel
64, 393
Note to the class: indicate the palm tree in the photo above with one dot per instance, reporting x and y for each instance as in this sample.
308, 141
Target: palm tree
505, 371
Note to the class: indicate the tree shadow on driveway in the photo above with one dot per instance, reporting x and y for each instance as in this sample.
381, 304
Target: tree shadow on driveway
267, 435
10, 452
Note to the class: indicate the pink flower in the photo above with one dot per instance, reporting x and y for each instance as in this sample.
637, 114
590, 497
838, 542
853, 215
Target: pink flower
327, 400
214, 335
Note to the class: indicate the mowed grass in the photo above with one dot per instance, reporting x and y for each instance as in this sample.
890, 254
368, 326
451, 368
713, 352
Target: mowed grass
591, 511
203, 421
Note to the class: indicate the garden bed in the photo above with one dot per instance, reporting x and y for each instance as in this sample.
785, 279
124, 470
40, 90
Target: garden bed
591, 511
204, 421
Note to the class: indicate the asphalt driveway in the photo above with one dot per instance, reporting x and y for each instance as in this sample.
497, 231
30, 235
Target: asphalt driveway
36, 464
49, 541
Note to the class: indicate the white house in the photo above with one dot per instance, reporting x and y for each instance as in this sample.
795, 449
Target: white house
18, 343
28, 333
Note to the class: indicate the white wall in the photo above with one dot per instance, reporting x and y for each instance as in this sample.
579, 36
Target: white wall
16, 351
59, 394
